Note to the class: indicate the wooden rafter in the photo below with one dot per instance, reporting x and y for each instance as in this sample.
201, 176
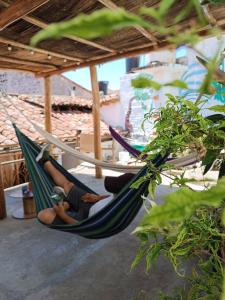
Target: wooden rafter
39, 50
18, 9
43, 25
26, 62
103, 59
210, 18
143, 31
17, 68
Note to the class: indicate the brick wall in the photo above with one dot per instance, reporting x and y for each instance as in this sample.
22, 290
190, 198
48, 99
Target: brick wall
26, 83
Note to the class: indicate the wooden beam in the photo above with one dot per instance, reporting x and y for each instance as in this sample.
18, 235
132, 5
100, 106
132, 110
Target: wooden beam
26, 62
110, 4
48, 104
104, 59
18, 9
96, 118
19, 69
210, 18
3, 213
39, 50
43, 25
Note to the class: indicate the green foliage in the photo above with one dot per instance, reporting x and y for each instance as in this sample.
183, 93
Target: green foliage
143, 82
218, 108
97, 24
179, 125
181, 205
188, 223
200, 236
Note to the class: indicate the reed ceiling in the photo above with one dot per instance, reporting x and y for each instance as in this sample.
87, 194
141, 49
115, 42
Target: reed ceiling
55, 56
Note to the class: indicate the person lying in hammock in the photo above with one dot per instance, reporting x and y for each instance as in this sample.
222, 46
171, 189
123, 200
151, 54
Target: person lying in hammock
78, 204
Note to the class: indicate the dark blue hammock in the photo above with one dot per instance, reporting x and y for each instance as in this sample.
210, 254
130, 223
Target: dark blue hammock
112, 219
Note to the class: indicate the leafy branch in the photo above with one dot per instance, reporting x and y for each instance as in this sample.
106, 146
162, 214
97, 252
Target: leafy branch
188, 223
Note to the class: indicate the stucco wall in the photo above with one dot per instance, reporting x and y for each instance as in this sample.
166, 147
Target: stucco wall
112, 114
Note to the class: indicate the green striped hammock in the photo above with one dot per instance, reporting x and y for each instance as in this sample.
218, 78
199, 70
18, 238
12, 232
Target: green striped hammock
112, 219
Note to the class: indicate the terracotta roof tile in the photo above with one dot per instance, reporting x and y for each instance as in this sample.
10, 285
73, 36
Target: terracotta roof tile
69, 100
65, 124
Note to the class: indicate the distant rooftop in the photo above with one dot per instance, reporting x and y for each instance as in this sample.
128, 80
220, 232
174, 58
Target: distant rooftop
65, 124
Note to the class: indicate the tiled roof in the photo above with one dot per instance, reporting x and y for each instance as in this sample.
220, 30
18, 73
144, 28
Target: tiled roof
69, 100
65, 124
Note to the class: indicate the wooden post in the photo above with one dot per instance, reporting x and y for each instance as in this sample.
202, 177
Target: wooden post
96, 118
3, 213
48, 104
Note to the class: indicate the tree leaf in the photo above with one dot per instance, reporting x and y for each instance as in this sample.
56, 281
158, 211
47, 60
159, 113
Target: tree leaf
190, 105
164, 6
142, 82
100, 23
177, 83
152, 254
151, 188
140, 254
218, 108
138, 182
181, 204
220, 134
152, 12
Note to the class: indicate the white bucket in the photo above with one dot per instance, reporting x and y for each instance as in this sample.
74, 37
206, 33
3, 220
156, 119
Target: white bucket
124, 156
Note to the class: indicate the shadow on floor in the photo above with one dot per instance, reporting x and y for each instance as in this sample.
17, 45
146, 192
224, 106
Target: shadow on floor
40, 263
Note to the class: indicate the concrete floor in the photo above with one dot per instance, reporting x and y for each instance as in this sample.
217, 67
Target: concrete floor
40, 263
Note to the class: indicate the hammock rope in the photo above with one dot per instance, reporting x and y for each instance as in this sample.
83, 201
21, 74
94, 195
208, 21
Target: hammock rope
177, 162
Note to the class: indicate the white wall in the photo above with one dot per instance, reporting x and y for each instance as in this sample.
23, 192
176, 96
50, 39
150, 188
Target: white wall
142, 100
165, 56
196, 72
112, 114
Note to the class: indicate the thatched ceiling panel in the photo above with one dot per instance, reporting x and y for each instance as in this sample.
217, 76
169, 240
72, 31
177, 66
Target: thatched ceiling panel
134, 5
67, 9
71, 48
17, 52
20, 31
126, 42
24, 31
122, 38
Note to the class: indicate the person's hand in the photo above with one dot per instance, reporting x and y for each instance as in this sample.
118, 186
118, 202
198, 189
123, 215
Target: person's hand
66, 205
59, 209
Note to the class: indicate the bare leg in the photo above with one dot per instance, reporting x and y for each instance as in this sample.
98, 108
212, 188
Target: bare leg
62, 181
58, 177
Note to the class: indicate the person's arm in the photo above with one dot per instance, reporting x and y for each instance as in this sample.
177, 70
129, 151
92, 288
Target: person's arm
60, 211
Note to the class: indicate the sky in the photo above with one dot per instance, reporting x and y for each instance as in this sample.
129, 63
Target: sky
111, 72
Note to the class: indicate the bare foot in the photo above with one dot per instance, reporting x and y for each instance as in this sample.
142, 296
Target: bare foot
92, 198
